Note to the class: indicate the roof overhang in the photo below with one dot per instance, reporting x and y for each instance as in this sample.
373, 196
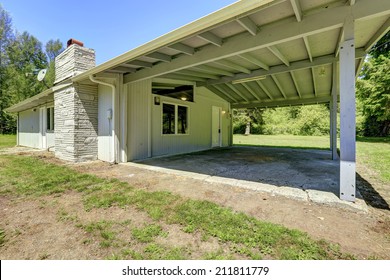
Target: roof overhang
289, 45
40, 99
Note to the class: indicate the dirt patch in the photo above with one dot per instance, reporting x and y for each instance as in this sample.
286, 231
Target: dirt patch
56, 226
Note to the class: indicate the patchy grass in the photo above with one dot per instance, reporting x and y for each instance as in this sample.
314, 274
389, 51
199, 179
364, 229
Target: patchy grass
7, 141
371, 151
241, 234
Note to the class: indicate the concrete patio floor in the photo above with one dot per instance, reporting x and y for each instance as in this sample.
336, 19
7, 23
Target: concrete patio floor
307, 175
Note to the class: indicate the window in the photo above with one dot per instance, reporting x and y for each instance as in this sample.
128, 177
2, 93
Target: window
182, 92
174, 119
50, 118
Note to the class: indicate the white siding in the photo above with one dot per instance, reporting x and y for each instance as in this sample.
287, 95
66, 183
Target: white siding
138, 132
50, 138
200, 123
105, 139
29, 128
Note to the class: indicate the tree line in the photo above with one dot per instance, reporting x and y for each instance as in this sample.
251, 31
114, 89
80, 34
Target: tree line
21, 57
372, 105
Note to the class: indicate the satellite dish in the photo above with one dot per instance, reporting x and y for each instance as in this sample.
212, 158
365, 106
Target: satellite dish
41, 74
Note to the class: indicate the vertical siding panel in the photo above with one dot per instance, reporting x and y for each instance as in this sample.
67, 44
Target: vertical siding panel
139, 123
28, 130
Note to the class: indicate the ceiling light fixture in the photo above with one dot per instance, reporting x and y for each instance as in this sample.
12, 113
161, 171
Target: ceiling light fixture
183, 98
246, 80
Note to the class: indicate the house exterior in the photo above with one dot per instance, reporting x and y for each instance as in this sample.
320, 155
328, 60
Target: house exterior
176, 93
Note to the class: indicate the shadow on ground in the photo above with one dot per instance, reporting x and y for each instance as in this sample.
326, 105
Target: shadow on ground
282, 167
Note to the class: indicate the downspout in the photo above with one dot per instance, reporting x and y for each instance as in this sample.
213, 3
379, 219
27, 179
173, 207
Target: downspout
115, 142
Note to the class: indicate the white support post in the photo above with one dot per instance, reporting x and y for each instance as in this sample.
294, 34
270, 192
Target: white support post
333, 115
123, 119
347, 114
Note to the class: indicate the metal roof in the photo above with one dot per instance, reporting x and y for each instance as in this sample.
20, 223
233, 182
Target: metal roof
284, 50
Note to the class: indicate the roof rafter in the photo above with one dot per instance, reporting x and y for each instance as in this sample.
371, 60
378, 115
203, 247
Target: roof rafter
233, 88
198, 74
279, 55
233, 65
381, 32
251, 91
328, 19
214, 70
184, 77
297, 65
313, 74
138, 63
221, 93
352, 2
297, 9
277, 83
211, 38
254, 60
160, 56
182, 48
293, 77
221, 89
248, 24
263, 88
308, 49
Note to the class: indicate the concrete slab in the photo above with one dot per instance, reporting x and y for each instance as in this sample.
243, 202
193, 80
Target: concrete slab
304, 175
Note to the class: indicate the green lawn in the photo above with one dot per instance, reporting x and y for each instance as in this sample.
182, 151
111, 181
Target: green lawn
7, 141
30, 178
371, 151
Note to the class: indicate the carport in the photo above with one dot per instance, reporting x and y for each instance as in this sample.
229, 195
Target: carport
267, 53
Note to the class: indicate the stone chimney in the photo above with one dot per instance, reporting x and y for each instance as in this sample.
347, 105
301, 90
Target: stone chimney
74, 60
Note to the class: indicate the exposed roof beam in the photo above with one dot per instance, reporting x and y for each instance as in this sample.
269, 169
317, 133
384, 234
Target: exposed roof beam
221, 94
254, 60
233, 65
160, 56
359, 67
130, 67
251, 91
198, 74
308, 49
260, 84
279, 55
352, 2
248, 24
211, 38
138, 63
293, 77
122, 69
182, 48
297, 9
233, 88
220, 88
381, 32
297, 65
276, 81
284, 103
327, 19
313, 74
214, 70
175, 76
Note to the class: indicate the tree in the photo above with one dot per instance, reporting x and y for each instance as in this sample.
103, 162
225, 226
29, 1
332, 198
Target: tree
6, 37
53, 49
373, 90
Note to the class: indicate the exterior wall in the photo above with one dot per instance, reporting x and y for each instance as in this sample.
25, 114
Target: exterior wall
200, 121
75, 114
72, 61
138, 132
28, 128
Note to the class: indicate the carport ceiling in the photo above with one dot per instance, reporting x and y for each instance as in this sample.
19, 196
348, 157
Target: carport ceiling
260, 53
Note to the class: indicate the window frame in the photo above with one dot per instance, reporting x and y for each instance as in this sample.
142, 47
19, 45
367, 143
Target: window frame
176, 106
50, 121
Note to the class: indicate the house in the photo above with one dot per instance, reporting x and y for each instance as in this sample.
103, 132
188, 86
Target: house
176, 93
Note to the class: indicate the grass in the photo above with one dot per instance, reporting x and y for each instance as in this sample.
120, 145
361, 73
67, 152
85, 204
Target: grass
373, 152
31, 178
2, 237
7, 141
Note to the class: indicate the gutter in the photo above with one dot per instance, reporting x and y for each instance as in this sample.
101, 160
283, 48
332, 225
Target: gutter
112, 126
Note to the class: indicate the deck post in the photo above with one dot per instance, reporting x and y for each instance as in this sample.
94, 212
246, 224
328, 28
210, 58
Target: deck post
347, 114
333, 115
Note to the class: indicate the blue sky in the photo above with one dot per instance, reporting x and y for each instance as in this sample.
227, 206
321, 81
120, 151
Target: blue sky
110, 27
